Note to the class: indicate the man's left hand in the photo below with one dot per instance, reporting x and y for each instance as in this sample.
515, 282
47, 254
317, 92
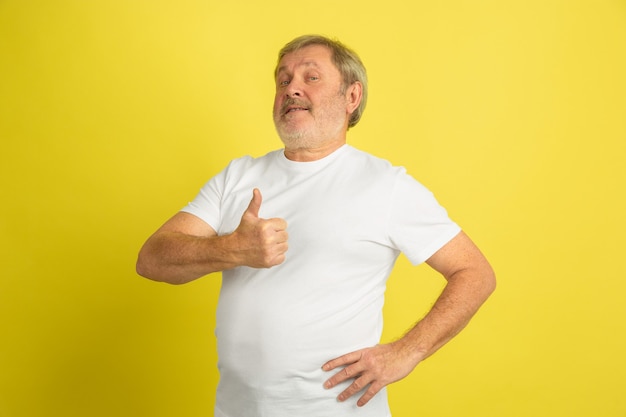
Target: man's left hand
371, 369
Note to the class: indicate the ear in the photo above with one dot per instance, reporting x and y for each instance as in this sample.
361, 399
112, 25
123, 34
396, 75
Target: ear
354, 94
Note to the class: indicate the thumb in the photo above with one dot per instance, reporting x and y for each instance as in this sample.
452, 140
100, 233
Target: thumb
255, 203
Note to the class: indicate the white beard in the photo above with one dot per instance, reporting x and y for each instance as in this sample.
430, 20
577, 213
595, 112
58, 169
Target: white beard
327, 123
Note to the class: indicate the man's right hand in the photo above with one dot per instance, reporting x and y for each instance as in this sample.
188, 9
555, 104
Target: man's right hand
186, 248
262, 242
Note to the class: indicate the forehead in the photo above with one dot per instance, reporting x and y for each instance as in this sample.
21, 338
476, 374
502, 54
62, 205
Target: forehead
310, 56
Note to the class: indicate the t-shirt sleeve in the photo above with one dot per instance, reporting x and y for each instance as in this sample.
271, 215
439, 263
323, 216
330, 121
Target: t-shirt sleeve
418, 225
206, 205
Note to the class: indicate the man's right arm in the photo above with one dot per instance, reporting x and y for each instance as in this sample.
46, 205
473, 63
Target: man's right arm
186, 248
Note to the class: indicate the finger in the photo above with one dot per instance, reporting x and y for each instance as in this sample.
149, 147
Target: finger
280, 248
349, 372
342, 360
277, 224
278, 260
357, 385
281, 238
368, 395
255, 203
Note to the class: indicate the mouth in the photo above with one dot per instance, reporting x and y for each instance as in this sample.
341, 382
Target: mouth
292, 107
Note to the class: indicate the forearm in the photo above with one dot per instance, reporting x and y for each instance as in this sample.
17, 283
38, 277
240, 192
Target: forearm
470, 281
178, 258
463, 295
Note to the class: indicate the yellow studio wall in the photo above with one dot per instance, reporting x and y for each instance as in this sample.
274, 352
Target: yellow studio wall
114, 113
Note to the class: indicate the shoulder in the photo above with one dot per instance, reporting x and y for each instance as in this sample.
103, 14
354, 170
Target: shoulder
247, 162
373, 165
394, 178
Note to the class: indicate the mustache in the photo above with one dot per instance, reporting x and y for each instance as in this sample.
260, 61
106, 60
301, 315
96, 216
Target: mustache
293, 102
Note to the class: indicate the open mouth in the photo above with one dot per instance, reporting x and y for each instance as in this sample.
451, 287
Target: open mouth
295, 109
293, 106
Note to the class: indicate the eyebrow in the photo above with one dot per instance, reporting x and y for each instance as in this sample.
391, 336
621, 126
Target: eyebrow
304, 64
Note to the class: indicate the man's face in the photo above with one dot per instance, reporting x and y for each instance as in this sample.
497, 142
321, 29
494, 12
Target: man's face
309, 107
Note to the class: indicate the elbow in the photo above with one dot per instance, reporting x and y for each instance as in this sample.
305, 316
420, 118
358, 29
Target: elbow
489, 281
482, 282
143, 264
141, 268
154, 274
144, 269
147, 269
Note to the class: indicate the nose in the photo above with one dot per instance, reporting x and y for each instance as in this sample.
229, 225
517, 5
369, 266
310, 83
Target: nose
294, 89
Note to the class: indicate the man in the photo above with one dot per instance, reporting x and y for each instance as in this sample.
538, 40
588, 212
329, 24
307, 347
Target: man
306, 238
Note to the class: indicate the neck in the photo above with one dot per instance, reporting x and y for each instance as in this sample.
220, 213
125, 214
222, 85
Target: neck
312, 154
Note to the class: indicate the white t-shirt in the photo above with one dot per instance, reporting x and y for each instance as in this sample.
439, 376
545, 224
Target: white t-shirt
349, 215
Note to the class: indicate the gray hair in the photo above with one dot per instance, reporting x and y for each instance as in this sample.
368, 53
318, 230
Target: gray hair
345, 59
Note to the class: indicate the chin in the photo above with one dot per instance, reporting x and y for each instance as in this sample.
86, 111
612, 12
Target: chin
296, 142
294, 139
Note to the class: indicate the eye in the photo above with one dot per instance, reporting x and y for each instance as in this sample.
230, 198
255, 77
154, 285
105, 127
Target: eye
283, 82
313, 78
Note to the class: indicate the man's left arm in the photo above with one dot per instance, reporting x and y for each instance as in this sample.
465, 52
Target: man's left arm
470, 281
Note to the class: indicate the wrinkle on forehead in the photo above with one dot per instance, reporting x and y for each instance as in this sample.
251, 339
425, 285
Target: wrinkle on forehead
283, 68
310, 55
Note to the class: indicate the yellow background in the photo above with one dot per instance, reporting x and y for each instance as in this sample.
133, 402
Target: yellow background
114, 113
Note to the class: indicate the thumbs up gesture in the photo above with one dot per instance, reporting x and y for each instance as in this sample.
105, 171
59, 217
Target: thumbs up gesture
262, 243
